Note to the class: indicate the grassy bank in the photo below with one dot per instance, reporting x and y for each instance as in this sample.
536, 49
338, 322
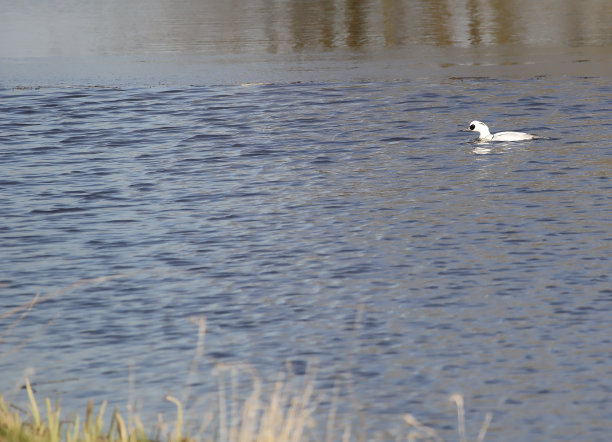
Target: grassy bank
284, 416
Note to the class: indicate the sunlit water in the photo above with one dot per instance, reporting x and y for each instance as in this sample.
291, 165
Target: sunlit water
348, 223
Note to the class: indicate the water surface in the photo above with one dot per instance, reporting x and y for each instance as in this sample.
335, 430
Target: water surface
349, 223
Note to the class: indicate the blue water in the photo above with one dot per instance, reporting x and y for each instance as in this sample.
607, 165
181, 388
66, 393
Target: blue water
344, 223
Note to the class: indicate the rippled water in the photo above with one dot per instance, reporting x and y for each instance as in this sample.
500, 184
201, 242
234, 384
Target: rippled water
345, 222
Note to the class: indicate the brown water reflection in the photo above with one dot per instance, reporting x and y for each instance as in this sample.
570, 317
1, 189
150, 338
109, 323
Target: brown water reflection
88, 27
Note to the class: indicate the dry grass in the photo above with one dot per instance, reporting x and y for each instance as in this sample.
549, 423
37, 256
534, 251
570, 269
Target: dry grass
286, 415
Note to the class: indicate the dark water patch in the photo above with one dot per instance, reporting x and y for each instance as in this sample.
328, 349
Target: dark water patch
426, 108
397, 139
57, 210
207, 136
258, 153
322, 160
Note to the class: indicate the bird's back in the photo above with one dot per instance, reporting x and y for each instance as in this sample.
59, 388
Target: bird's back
512, 136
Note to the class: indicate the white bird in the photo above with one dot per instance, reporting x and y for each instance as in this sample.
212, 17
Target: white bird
485, 135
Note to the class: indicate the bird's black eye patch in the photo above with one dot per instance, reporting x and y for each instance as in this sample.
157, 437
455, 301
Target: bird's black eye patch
472, 127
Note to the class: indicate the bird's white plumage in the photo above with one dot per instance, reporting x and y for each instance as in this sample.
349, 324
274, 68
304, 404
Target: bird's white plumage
486, 135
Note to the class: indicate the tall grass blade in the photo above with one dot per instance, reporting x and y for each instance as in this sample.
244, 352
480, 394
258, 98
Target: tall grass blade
73, 432
123, 434
33, 405
178, 427
53, 422
485, 426
458, 400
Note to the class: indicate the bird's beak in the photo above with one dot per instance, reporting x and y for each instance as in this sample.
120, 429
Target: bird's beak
465, 130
